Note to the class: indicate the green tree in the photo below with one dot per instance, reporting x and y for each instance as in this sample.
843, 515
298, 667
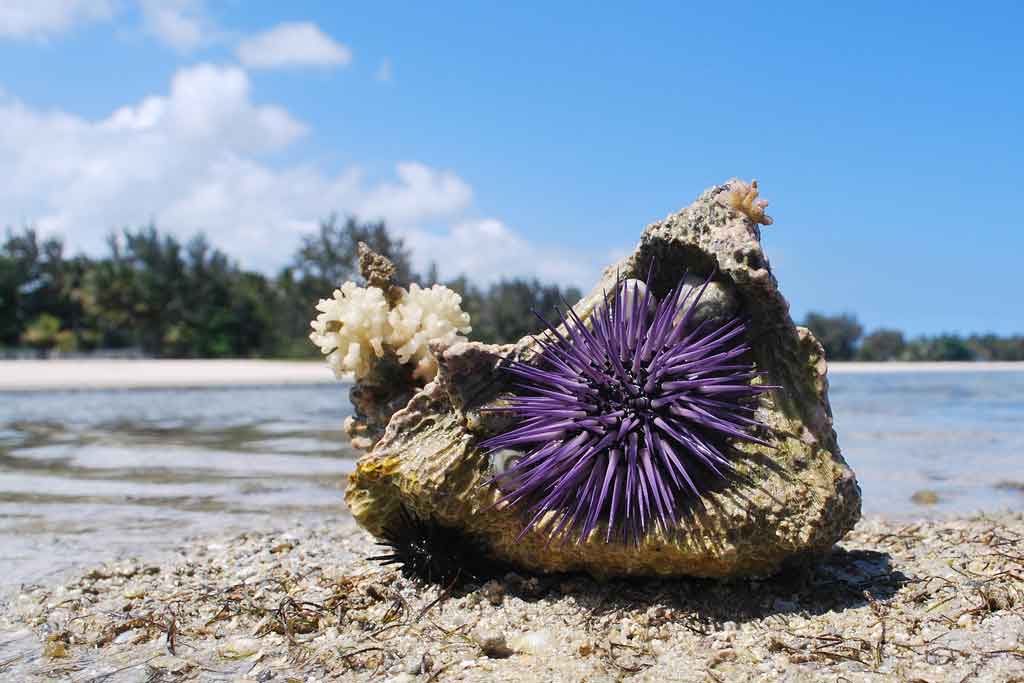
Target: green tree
190, 301
136, 293
322, 263
882, 345
837, 333
330, 257
945, 347
45, 333
509, 309
992, 347
35, 279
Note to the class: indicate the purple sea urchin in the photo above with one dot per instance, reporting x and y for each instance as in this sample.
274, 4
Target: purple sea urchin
626, 420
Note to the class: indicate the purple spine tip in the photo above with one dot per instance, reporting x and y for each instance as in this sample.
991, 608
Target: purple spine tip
628, 419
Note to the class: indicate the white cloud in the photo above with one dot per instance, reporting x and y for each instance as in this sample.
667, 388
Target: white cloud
384, 72
199, 158
180, 24
420, 193
487, 250
41, 18
195, 159
293, 44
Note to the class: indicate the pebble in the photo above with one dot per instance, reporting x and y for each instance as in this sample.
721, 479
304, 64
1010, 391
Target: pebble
493, 644
169, 663
531, 642
127, 636
55, 649
494, 592
239, 648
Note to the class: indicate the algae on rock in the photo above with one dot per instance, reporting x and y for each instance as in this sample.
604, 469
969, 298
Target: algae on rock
789, 501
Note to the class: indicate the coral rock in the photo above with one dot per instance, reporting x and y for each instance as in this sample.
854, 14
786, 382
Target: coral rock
791, 500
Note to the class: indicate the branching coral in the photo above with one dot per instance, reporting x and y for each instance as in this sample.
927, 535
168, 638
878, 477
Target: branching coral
423, 316
357, 325
742, 196
351, 328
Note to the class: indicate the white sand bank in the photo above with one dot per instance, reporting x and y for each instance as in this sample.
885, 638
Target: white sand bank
42, 375
855, 368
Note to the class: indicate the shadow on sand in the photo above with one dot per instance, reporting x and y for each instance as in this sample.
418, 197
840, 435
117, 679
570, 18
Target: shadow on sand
842, 580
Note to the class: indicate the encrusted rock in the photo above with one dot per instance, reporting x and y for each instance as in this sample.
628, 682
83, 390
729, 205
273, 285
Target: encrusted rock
791, 500
376, 397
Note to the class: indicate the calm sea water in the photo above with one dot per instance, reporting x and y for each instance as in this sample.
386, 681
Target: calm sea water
959, 435
89, 475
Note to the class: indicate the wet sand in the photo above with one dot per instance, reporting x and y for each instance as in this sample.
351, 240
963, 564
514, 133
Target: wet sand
924, 601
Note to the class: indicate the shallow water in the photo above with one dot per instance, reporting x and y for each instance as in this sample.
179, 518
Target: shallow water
85, 476
89, 475
959, 435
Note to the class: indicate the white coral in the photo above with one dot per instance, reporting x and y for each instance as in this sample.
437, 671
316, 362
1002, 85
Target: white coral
423, 316
356, 326
351, 328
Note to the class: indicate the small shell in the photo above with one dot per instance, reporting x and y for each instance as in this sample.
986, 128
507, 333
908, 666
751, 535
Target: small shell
717, 303
504, 459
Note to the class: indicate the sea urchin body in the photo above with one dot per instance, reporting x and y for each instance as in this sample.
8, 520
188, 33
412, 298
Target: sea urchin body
627, 419
427, 551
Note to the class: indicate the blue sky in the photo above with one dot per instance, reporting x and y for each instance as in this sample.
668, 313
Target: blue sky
537, 140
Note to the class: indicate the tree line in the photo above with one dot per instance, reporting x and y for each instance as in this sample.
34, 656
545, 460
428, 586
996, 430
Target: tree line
162, 297
158, 296
844, 339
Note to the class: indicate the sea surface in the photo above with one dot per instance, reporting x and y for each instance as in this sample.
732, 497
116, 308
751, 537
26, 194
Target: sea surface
91, 475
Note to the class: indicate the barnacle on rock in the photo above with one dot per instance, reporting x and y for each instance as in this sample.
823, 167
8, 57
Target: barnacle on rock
742, 196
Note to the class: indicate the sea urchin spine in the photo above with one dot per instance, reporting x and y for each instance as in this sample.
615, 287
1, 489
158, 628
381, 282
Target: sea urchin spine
429, 552
626, 419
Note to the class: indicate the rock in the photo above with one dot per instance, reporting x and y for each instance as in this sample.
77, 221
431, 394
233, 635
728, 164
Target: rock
532, 642
494, 591
493, 644
792, 500
55, 649
238, 648
170, 663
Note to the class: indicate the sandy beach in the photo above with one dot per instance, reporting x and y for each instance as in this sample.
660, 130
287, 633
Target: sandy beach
56, 375
928, 601
903, 367
52, 375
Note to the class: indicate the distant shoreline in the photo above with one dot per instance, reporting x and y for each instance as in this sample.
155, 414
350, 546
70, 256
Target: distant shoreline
60, 375
858, 367
63, 375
